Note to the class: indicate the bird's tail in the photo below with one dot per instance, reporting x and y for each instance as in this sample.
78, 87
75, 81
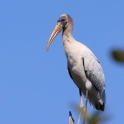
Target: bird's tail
101, 103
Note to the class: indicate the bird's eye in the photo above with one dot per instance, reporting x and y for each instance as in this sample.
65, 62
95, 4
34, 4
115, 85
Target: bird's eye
62, 20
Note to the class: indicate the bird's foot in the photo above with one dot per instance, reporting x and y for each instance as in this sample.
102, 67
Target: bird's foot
81, 106
80, 109
84, 109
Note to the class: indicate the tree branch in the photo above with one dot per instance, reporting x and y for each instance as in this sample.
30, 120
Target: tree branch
71, 120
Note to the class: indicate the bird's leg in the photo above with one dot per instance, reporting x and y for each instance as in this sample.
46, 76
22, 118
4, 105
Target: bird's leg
85, 111
81, 99
81, 105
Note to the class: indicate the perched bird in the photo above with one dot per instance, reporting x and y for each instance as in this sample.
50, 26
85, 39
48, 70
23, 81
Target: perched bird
84, 68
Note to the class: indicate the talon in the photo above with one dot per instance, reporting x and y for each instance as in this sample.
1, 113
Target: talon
85, 109
81, 106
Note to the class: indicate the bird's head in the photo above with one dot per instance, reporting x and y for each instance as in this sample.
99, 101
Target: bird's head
63, 23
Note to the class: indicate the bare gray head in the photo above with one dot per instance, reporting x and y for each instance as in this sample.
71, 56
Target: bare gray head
64, 23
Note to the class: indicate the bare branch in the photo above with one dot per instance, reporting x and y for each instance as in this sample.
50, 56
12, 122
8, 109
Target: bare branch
71, 120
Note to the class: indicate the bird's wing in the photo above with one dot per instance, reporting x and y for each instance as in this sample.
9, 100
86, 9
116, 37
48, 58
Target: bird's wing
94, 71
70, 73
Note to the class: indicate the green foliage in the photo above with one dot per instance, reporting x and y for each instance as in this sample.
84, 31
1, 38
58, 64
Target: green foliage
118, 55
96, 117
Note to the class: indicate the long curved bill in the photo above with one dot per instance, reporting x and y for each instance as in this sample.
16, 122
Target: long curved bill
55, 32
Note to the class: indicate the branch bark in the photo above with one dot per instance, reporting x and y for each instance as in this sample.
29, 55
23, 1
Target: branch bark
71, 120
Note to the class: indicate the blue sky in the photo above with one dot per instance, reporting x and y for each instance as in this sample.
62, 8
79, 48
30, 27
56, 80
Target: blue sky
35, 86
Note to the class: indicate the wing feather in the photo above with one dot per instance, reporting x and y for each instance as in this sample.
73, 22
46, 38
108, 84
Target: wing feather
70, 73
94, 71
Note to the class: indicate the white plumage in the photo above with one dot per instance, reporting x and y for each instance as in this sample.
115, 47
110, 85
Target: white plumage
84, 68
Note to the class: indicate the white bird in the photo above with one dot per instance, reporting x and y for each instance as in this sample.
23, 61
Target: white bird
83, 67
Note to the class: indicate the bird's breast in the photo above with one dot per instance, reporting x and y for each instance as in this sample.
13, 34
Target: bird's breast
74, 52
77, 71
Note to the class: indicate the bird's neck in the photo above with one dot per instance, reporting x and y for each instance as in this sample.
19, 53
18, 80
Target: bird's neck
67, 35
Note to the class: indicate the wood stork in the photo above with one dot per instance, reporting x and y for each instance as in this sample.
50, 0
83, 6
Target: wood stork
84, 68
